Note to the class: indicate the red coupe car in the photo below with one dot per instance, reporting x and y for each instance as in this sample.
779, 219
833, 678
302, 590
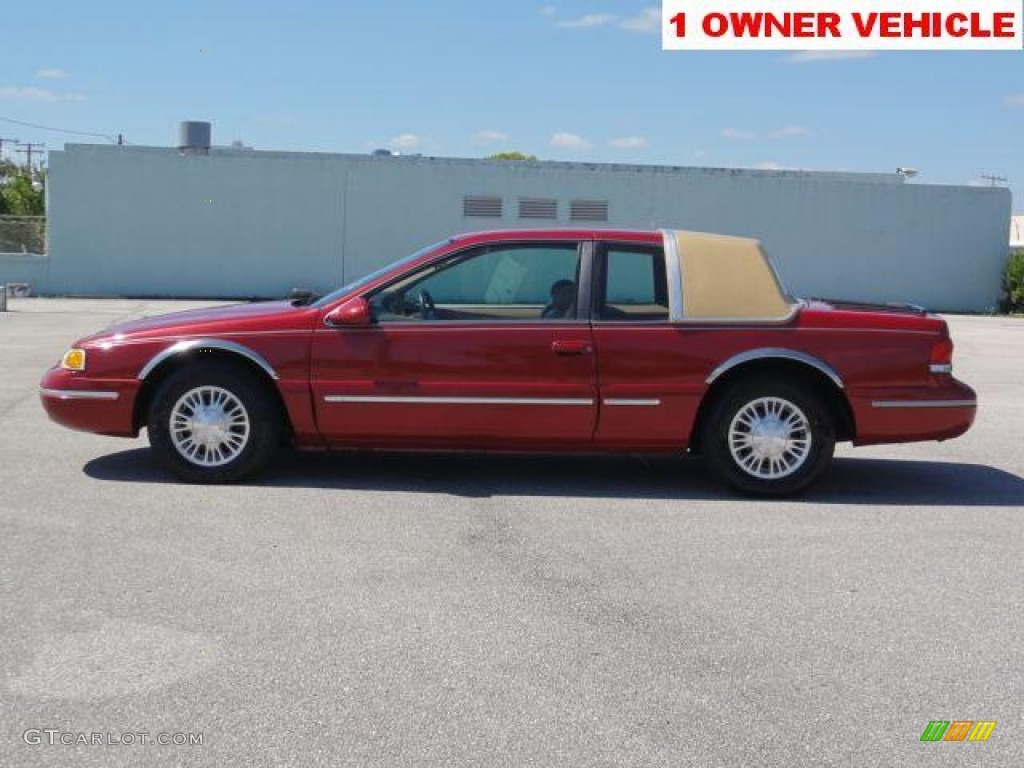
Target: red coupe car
542, 340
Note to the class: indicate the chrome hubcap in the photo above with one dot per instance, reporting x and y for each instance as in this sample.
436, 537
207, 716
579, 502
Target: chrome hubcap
770, 438
209, 426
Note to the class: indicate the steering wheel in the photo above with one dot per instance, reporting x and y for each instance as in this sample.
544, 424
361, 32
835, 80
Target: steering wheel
427, 308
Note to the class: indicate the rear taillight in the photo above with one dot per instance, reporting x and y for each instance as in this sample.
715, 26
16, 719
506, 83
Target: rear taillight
941, 358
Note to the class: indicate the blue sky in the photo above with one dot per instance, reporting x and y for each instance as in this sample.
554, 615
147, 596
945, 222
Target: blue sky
574, 80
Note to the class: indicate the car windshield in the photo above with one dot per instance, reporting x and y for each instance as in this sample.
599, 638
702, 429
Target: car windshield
367, 279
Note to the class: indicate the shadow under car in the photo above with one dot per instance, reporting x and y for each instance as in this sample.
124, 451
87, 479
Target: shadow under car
850, 481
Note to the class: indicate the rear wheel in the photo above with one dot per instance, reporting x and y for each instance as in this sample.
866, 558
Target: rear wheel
770, 438
212, 424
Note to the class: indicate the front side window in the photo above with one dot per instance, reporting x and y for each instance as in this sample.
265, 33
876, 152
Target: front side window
634, 288
501, 282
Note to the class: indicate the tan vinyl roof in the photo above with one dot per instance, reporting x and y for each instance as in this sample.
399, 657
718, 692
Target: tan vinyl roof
728, 278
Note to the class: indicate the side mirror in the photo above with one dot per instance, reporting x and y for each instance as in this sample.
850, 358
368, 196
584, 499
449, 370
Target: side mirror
300, 297
355, 312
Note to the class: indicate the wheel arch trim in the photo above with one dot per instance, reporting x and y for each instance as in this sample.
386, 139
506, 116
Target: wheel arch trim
188, 345
775, 353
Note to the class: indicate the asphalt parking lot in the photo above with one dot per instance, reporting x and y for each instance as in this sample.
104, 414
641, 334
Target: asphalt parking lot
401, 610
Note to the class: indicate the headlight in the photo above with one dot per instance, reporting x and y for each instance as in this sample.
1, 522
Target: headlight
73, 360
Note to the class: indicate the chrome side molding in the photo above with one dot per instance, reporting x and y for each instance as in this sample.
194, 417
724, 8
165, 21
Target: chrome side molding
78, 394
416, 400
924, 403
632, 401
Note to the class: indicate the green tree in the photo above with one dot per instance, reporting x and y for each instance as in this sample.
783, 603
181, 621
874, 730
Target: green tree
1013, 283
22, 192
511, 156
8, 170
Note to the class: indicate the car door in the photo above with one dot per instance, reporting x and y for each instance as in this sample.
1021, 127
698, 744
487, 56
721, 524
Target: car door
481, 348
649, 379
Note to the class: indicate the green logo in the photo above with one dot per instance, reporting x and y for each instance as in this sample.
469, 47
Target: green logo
958, 730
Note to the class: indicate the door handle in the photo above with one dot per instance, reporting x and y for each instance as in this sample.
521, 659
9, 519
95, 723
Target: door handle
571, 347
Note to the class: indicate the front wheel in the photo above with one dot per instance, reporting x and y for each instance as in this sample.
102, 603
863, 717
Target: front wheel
212, 424
770, 438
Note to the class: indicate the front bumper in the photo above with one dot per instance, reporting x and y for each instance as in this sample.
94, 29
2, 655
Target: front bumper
104, 406
905, 415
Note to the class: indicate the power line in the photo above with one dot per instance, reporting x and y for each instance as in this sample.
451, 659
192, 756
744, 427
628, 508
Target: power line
109, 138
30, 149
6, 141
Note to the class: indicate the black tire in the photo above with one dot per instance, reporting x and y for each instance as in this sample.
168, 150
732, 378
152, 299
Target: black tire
261, 409
755, 396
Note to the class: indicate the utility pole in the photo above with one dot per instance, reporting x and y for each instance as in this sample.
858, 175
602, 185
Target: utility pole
29, 151
991, 177
6, 141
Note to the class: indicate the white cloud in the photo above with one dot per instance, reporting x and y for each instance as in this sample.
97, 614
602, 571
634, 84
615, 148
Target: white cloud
803, 57
628, 142
1014, 100
789, 132
486, 137
770, 165
978, 183
52, 74
569, 141
786, 132
408, 141
699, 154
589, 20
647, 21
37, 94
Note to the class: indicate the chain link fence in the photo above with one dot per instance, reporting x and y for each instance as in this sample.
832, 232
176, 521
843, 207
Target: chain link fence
23, 234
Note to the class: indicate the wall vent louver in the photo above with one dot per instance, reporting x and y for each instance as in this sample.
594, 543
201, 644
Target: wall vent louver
538, 208
588, 210
481, 207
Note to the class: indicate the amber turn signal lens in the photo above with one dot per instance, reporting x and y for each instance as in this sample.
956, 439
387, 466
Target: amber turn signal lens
73, 360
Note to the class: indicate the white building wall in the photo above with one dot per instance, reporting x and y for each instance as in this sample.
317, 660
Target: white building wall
133, 221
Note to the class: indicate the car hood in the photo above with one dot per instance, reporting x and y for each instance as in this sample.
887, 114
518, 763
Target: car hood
266, 315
